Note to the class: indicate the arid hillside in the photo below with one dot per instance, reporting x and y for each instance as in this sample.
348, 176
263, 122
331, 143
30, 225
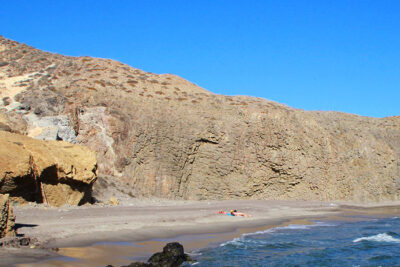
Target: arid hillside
160, 135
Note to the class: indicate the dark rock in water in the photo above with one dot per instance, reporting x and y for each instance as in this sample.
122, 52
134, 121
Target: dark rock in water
172, 256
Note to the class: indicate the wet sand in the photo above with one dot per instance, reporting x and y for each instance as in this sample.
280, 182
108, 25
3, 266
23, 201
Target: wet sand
146, 225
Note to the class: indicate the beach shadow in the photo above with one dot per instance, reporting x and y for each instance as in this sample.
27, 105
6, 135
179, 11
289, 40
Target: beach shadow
22, 225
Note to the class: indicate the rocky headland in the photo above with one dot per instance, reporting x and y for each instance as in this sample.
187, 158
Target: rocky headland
162, 136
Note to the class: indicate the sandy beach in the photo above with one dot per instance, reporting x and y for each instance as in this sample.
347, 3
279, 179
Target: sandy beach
150, 223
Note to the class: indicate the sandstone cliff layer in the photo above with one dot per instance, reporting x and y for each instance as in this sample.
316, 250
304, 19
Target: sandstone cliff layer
7, 218
51, 172
164, 136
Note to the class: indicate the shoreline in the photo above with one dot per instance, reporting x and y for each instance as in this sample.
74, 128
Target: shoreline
148, 226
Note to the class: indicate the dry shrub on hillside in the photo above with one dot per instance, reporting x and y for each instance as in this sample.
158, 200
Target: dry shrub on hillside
132, 83
100, 83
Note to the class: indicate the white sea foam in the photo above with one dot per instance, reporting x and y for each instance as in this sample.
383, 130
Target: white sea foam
291, 227
378, 238
195, 253
238, 241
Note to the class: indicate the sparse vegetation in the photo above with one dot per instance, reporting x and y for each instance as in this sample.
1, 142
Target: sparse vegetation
132, 83
102, 83
154, 81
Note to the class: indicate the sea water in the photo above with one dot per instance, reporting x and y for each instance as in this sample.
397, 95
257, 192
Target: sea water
365, 242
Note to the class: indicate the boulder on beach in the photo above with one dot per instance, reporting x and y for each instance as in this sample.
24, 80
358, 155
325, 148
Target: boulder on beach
51, 172
172, 256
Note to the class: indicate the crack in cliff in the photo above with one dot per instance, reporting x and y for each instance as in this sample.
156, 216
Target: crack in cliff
206, 141
187, 172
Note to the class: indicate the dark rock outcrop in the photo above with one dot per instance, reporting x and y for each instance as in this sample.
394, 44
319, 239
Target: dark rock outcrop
17, 242
164, 136
172, 256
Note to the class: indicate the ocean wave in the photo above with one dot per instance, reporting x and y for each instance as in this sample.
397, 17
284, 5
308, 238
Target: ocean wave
378, 238
239, 241
291, 227
236, 242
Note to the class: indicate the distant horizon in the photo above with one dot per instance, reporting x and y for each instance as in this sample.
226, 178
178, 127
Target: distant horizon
318, 56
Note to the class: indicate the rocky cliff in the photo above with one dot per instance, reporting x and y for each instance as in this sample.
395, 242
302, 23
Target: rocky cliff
51, 172
7, 218
164, 136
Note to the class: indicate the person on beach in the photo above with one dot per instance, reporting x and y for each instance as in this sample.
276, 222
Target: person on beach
234, 213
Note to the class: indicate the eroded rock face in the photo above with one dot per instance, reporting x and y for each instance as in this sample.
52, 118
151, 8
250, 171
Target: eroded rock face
164, 136
7, 218
52, 172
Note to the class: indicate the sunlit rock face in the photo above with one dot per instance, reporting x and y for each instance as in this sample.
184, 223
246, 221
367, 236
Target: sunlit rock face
163, 136
7, 218
51, 172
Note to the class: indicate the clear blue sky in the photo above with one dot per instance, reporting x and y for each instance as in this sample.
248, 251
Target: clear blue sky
341, 55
